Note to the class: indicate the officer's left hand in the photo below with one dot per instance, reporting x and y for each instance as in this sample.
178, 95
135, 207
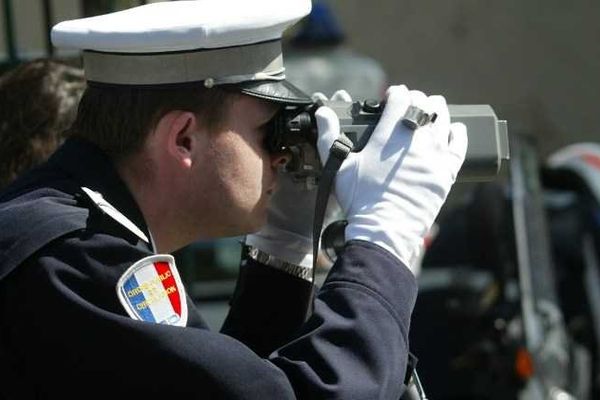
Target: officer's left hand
288, 232
392, 190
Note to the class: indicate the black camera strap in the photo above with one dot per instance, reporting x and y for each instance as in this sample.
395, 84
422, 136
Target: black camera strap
337, 154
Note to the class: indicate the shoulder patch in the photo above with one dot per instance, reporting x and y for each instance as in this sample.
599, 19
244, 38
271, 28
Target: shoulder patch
151, 290
115, 214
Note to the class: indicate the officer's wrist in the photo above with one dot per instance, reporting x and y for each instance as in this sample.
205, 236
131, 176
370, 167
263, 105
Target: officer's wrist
284, 245
262, 257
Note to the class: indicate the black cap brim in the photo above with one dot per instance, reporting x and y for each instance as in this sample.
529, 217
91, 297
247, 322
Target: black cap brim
281, 92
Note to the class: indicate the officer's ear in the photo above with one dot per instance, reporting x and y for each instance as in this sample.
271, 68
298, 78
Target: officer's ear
176, 133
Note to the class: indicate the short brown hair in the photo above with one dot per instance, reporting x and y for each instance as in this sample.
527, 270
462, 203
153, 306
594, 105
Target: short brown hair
38, 102
117, 118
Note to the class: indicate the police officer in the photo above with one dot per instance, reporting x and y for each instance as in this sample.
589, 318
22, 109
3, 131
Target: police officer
168, 148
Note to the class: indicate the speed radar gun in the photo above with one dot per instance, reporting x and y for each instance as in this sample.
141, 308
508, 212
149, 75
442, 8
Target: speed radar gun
295, 129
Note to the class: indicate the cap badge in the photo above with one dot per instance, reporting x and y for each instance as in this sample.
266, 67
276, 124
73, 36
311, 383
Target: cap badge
151, 290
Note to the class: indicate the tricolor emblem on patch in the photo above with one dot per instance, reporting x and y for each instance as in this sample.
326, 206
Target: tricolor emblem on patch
151, 290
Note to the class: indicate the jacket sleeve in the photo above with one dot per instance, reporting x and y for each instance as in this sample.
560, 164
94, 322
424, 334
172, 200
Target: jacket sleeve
366, 287
355, 344
267, 308
68, 334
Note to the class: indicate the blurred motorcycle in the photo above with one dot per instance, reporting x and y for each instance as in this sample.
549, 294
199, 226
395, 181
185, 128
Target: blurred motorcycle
508, 306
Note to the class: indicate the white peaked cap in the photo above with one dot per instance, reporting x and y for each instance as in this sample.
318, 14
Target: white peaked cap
210, 41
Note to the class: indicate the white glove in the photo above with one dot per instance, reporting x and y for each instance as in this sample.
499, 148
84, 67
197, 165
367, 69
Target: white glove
288, 232
392, 191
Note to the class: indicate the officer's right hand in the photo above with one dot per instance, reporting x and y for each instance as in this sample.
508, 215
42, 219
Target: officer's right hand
392, 191
288, 232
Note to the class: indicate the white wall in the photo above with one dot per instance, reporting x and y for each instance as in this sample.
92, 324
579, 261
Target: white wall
537, 62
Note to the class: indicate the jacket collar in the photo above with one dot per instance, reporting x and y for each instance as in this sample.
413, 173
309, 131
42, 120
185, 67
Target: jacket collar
91, 168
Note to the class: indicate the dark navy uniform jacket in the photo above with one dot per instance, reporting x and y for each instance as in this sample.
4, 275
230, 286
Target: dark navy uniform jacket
64, 333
